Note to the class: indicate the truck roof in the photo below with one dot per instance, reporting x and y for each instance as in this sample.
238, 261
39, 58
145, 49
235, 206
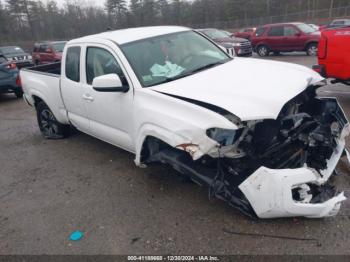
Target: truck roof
124, 36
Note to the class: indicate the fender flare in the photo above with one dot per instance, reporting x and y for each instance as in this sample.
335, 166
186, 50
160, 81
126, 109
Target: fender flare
151, 130
41, 96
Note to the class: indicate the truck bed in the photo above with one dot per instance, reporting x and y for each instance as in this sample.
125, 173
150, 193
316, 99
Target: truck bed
54, 68
43, 82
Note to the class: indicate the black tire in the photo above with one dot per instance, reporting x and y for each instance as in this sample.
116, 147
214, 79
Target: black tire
19, 94
263, 50
312, 49
36, 62
48, 125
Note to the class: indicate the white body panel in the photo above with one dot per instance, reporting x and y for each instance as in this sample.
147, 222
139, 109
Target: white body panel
248, 88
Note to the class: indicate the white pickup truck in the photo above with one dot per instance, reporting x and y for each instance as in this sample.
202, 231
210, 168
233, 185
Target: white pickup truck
253, 131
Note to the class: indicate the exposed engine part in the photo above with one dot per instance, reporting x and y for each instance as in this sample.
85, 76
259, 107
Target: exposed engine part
298, 146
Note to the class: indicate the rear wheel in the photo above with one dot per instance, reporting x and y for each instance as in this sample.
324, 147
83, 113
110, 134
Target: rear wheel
263, 50
312, 49
49, 126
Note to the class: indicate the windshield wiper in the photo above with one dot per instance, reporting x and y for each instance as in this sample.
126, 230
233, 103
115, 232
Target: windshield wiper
206, 67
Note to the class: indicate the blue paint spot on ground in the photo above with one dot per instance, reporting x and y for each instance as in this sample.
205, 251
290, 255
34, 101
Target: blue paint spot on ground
76, 235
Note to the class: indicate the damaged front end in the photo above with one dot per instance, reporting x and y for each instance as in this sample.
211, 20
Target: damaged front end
271, 168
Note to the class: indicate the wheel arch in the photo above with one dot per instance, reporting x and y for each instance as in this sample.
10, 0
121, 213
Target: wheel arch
309, 43
191, 142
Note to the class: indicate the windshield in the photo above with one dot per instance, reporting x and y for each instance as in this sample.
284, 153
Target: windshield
11, 50
59, 46
169, 57
306, 28
227, 34
214, 34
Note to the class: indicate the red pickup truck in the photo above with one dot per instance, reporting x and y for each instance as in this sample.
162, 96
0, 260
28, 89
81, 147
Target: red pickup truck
334, 54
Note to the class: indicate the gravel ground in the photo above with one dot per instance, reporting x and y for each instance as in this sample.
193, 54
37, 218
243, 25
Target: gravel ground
50, 188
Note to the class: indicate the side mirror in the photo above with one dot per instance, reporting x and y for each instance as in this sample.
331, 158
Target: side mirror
109, 83
298, 34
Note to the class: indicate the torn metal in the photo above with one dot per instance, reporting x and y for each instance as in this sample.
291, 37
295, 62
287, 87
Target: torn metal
268, 168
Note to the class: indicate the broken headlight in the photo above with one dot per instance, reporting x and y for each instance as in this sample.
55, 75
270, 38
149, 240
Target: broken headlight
224, 137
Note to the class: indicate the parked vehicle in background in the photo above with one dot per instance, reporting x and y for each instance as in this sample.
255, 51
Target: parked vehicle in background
316, 27
336, 23
285, 37
252, 131
227, 33
245, 32
9, 81
16, 55
334, 54
234, 45
48, 52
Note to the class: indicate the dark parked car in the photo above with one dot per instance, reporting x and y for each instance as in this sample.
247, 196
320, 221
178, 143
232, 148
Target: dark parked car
234, 45
9, 81
287, 37
16, 55
48, 52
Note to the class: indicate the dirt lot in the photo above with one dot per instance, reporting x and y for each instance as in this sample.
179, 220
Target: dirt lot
50, 188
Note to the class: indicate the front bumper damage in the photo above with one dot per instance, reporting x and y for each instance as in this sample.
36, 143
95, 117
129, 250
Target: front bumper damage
275, 168
303, 191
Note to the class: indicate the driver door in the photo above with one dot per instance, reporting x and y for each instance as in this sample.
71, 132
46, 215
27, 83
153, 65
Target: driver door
110, 113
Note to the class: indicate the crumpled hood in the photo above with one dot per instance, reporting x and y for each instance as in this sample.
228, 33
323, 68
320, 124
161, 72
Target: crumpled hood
251, 89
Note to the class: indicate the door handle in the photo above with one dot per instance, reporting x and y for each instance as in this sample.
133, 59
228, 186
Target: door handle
88, 97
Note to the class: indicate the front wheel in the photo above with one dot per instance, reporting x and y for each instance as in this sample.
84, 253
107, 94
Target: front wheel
263, 50
49, 126
312, 49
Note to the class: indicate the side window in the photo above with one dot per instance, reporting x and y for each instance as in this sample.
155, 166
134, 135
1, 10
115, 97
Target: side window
101, 62
276, 31
290, 31
260, 31
73, 63
42, 48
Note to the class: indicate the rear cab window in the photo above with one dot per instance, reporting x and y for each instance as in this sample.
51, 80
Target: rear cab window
72, 69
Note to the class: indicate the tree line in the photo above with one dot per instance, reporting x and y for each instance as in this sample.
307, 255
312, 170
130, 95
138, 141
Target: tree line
30, 20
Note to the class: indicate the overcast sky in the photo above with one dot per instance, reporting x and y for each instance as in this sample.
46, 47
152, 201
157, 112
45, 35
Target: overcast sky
90, 2
61, 2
